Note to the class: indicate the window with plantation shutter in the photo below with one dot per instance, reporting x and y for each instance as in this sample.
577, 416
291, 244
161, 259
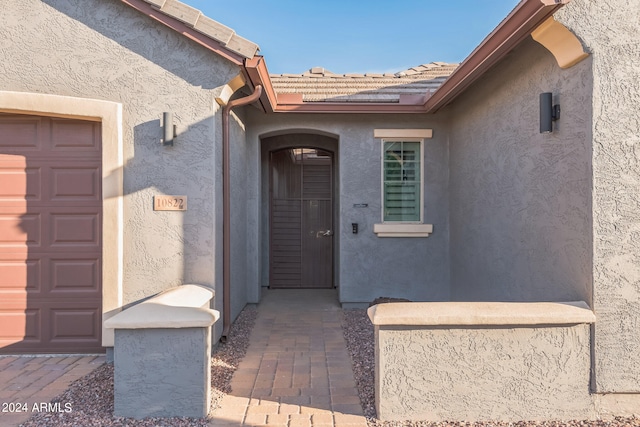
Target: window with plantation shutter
402, 181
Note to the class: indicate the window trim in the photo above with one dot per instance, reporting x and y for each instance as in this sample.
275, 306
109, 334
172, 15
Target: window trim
402, 228
382, 181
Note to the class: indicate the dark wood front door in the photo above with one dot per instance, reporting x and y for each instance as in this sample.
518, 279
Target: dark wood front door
301, 212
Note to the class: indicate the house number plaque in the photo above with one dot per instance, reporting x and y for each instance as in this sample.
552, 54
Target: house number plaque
169, 203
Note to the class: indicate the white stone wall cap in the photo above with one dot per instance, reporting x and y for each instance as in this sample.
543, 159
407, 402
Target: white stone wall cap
149, 315
480, 313
189, 295
185, 306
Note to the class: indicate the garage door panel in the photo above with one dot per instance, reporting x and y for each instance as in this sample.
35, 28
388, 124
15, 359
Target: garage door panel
19, 230
75, 137
18, 325
74, 230
74, 183
19, 134
54, 229
19, 275
74, 324
61, 275
20, 184
75, 275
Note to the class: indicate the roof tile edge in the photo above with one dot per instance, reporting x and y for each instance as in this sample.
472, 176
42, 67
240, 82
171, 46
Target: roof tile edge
206, 26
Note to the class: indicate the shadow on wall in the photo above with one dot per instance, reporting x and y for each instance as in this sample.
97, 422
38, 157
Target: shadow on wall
51, 249
141, 35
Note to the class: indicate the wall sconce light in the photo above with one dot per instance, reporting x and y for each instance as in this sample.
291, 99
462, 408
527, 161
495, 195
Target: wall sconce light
169, 129
549, 113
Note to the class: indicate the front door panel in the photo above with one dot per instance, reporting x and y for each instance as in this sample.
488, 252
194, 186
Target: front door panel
301, 232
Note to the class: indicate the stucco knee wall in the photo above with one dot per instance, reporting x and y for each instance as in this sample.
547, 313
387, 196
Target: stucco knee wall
507, 374
162, 372
483, 361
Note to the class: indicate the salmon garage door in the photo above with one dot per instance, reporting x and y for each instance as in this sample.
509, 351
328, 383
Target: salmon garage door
50, 235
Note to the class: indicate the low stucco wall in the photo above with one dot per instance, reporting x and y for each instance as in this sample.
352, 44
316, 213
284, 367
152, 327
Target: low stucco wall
483, 361
162, 355
162, 372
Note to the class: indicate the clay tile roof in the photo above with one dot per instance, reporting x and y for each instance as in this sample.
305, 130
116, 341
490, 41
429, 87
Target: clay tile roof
321, 85
207, 26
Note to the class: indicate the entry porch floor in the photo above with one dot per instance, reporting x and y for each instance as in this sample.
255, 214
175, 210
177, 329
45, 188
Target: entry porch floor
297, 370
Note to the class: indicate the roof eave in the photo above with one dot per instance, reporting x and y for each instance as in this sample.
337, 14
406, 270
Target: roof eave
186, 30
350, 107
257, 74
518, 25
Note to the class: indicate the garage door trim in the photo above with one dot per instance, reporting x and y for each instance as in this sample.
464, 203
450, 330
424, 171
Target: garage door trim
110, 115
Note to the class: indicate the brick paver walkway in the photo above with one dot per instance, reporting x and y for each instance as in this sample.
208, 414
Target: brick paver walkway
297, 371
28, 381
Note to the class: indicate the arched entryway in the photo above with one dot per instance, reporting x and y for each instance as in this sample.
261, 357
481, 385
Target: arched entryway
302, 219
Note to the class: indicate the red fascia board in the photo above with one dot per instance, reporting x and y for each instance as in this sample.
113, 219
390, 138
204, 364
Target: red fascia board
293, 103
257, 73
517, 26
185, 30
351, 107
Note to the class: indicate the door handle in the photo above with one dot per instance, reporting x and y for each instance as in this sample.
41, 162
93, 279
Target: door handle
325, 233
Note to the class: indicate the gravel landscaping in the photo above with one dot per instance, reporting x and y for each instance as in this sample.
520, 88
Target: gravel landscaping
91, 397
358, 332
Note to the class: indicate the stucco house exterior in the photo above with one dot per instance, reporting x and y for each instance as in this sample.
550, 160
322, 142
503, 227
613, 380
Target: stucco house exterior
431, 184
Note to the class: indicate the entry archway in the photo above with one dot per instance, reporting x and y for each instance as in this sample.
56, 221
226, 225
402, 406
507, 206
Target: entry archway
302, 210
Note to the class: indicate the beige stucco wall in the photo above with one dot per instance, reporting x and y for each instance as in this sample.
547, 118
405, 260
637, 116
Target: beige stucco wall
610, 31
105, 50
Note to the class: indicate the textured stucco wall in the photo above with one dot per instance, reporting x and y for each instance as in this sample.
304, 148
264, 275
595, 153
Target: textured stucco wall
508, 374
414, 268
520, 200
103, 49
610, 31
240, 245
162, 372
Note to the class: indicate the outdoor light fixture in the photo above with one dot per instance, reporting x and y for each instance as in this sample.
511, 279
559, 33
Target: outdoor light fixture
549, 113
169, 129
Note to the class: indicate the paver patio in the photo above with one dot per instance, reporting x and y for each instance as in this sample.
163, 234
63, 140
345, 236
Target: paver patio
27, 381
297, 371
